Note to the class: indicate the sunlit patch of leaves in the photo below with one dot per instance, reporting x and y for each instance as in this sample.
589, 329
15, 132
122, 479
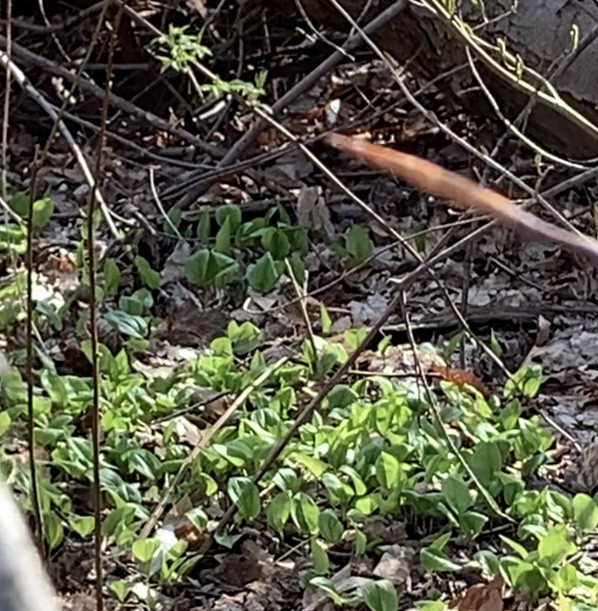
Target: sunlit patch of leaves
374, 448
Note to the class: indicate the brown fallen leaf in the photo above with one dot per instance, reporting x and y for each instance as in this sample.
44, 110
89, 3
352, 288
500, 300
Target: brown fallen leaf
480, 597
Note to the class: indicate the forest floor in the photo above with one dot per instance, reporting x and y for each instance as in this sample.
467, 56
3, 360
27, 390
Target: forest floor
439, 466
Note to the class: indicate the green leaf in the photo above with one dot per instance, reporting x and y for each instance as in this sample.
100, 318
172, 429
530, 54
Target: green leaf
245, 495
263, 274
325, 320
585, 513
339, 491
440, 542
342, 395
331, 528
174, 216
137, 304
249, 234
12, 238
144, 549
360, 543
53, 530
567, 578
532, 438
230, 213
146, 273
456, 492
276, 243
485, 461
5, 422
358, 243
82, 525
527, 576
380, 595
120, 364
279, 510
367, 504
305, 513
509, 416
515, 546
223, 237
111, 277
204, 228
59, 388
42, 212
120, 590
526, 381
358, 483
319, 558
495, 344
435, 560
555, 546
210, 487
143, 462
42, 208
354, 337
314, 465
117, 518
244, 337
134, 326
227, 540
324, 584
512, 486
488, 561
298, 268
207, 267
198, 517
430, 605
287, 479
388, 471
472, 523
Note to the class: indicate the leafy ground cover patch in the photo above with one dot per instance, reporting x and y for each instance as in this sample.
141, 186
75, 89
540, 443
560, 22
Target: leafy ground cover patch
443, 480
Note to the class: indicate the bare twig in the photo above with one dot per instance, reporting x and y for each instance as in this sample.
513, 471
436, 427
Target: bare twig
309, 80
302, 298
487, 159
93, 325
55, 27
160, 206
6, 106
266, 116
544, 92
37, 511
512, 126
116, 101
466, 193
20, 77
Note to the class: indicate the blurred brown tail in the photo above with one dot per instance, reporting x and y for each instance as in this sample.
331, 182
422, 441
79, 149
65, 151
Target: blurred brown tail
464, 193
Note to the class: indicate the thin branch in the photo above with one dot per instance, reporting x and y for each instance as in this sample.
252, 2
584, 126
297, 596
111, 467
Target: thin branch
20, 77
